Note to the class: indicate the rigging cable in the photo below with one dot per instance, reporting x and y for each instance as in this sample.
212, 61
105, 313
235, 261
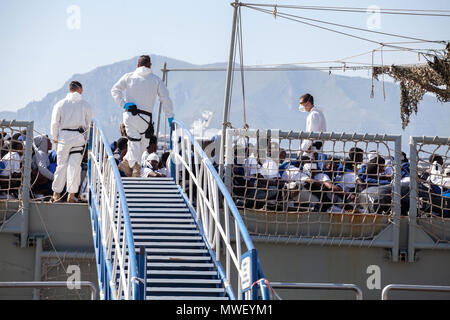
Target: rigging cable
295, 18
414, 12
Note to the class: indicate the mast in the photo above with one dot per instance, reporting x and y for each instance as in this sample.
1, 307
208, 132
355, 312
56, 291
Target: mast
226, 106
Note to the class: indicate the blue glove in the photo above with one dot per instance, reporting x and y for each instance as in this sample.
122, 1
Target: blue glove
170, 122
128, 105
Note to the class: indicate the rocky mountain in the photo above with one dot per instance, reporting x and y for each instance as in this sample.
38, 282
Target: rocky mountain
271, 101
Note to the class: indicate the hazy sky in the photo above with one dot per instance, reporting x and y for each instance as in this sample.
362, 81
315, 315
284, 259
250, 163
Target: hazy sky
43, 43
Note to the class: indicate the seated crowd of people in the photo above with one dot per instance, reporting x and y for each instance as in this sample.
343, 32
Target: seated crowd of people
43, 166
320, 182
151, 164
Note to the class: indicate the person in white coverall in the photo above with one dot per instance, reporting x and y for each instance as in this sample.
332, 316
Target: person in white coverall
315, 122
141, 88
71, 118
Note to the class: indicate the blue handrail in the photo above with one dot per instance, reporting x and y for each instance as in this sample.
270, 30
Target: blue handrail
126, 216
226, 194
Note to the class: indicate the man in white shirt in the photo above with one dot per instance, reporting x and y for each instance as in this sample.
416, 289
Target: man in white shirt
315, 122
71, 119
141, 88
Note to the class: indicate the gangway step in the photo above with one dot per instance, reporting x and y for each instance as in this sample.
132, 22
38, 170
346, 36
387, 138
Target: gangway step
161, 281
181, 272
143, 218
145, 225
178, 258
179, 265
158, 210
185, 298
186, 289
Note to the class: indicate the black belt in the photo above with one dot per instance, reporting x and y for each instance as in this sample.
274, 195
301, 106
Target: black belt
80, 130
77, 151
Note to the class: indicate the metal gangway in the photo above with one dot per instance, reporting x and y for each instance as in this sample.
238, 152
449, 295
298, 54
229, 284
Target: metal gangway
156, 239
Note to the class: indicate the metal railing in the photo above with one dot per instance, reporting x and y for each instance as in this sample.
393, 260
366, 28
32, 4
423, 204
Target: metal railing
206, 194
319, 286
407, 287
379, 227
113, 238
24, 182
52, 284
429, 213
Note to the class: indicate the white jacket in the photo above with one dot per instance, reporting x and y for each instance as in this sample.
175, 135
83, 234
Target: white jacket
72, 112
315, 122
142, 87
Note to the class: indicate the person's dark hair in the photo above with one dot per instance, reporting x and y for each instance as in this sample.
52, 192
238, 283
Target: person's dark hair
16, 146
74, 86
378, 160
144, 61
153, 140
437, 158
356, 155
122, 143
164, 158
405, 158
307, 97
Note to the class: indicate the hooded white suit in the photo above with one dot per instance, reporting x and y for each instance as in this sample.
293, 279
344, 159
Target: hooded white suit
70, 113
141, 87
40, 158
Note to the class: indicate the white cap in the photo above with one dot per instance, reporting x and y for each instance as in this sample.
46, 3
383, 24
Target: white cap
372, 155
152, 157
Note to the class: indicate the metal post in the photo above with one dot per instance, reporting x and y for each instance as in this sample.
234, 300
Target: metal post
26, 185
37, 266
412, 214
396, 198
142, 272
319, 286
164, 79
226, 106
408, 287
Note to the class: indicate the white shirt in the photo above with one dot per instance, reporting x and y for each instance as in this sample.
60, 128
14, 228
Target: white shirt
12, 164
294, 174
315, 122
346, 181
269, 169
72, 112
251, 166
141, 87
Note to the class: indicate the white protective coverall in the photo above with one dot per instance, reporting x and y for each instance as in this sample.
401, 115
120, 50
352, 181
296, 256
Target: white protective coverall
315, 122
70, 113
40, 158
141, 87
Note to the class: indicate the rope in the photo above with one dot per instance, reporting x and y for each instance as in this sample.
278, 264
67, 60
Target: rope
415, 12
295, 18
241, 56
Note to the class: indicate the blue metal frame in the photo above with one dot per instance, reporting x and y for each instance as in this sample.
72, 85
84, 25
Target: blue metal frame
104, 266
256, 265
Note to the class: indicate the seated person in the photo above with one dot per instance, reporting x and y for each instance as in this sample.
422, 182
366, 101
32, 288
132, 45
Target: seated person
151, 148
41, 175
372, 174
121, 150
11, 175
151, 167
163, 165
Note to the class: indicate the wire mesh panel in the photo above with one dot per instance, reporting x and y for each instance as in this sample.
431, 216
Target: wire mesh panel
58, 269
15, 169
344, 187
430, 192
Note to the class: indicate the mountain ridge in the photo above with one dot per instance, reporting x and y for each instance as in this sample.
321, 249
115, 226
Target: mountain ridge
271, 100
